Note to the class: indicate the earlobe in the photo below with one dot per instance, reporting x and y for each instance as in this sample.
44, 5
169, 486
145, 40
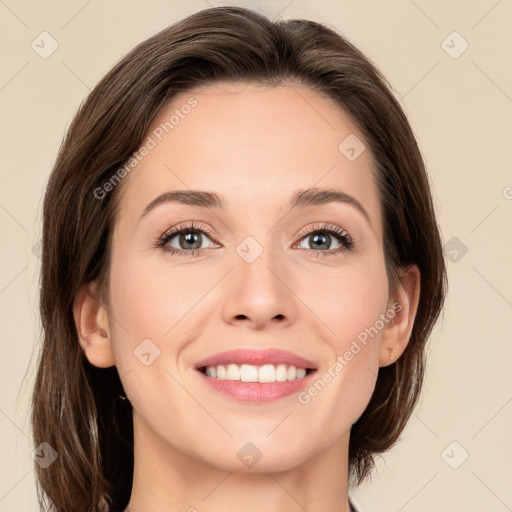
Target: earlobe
397, 332
91, 321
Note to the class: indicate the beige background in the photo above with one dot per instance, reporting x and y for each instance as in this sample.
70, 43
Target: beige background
460, 109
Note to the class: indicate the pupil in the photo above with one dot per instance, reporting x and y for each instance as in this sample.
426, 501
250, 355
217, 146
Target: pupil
189, 239
320, 238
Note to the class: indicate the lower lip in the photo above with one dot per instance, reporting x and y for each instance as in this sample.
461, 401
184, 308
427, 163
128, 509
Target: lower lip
257, 391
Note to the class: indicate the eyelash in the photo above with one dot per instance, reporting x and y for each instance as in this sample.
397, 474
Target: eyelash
340, 234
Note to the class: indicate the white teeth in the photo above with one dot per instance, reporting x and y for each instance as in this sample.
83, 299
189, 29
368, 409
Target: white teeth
292, 373
233, 372
248, 373
252, 373
281, 372
266, 373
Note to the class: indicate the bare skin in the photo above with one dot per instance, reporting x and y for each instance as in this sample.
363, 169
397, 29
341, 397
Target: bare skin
256, 146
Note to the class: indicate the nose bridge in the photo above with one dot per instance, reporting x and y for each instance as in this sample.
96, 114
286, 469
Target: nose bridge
257, 287
257, 263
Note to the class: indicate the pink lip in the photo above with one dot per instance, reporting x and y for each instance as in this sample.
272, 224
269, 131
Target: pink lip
257, 357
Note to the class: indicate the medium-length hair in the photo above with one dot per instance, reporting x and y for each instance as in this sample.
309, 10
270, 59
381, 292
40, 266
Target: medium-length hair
75, 406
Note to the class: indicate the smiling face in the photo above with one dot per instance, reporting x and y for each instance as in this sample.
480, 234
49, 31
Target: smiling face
265, 266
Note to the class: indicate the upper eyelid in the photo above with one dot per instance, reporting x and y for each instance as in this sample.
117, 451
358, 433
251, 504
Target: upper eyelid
197, 227
321, 226
317, 226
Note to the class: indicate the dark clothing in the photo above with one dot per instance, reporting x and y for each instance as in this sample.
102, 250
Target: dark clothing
352, 508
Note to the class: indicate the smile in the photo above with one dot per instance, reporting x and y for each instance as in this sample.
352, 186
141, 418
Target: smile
252, 373
256, 375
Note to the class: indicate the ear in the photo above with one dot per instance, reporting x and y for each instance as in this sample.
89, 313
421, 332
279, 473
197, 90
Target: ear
397, 332
91, 321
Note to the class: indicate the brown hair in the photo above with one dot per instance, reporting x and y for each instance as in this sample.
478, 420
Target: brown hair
75, 405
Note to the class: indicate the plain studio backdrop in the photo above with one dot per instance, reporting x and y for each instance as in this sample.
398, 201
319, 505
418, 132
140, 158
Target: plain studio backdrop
449, 63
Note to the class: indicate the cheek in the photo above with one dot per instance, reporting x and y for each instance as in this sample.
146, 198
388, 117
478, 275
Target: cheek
349, 304
154, 301
150, 296
342, 389
352, 308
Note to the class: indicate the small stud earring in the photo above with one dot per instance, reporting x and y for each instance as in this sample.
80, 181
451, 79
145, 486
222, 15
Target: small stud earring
390, 348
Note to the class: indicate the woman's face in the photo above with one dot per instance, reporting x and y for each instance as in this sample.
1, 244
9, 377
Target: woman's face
254, 273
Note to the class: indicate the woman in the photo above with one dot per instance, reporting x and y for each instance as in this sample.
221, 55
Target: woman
263, 366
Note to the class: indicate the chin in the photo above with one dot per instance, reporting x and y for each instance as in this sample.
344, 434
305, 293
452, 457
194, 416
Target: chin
254, 457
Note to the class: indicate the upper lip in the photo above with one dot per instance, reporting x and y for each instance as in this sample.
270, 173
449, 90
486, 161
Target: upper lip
256, 357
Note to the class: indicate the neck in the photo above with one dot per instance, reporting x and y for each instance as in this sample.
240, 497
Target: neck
166, 478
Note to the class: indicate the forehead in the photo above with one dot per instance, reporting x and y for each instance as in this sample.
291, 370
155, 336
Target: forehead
254, 145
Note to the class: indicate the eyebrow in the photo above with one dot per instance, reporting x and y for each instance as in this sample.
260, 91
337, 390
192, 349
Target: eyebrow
301, 198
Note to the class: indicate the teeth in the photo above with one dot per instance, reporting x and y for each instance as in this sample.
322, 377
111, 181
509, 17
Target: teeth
211, 371
233, 372
252, 373
221, 372
248, 373
292, 373
281, 372
266, 373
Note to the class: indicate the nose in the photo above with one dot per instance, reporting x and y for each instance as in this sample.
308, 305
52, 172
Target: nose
259, 293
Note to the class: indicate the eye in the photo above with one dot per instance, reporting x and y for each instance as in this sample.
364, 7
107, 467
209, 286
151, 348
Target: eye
189, 239
319, 240
186, 239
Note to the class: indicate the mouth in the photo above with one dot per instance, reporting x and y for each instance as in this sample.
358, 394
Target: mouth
249, 365
252, 373
256, 375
